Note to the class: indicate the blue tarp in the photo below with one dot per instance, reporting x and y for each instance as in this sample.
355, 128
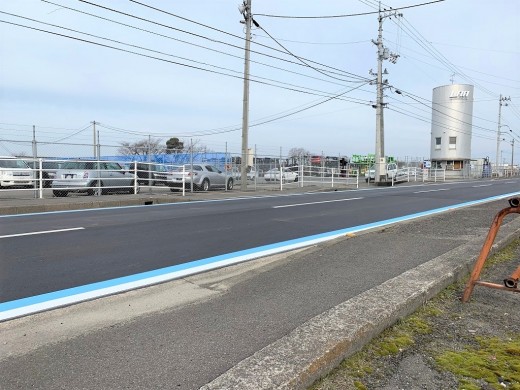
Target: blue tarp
218, 159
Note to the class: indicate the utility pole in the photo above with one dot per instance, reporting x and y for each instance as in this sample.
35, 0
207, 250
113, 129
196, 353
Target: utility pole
382, 54
94, 142
34, 147
501, 101
245, 10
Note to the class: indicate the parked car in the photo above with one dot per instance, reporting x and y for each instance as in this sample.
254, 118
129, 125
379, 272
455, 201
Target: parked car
149, 174
49, 169
91, 177
203, 176
391, 171
15, 172
288, 174
252, 174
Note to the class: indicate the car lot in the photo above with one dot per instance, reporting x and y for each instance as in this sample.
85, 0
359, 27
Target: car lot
81, 177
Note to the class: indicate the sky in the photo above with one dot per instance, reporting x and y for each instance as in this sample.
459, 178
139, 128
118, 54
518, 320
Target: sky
162, 69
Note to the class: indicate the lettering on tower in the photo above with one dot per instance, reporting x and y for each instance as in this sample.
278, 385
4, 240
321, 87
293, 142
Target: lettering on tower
459, 94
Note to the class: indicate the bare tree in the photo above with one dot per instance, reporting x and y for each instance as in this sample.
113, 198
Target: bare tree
142, 147
298, 155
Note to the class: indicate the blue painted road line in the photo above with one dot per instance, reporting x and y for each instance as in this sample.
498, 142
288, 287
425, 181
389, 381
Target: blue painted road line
51, 300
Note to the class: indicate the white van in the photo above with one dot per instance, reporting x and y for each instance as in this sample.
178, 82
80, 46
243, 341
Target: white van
391, 172
14, 172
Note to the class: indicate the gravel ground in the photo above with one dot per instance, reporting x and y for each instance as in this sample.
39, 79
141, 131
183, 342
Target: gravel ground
406, 356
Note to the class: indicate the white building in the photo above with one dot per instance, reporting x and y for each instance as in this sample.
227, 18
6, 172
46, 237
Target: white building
452, 114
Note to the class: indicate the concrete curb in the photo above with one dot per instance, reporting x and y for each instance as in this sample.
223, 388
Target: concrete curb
316, 347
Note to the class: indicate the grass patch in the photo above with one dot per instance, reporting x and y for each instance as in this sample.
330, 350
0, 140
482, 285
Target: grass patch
496, 361
392, 341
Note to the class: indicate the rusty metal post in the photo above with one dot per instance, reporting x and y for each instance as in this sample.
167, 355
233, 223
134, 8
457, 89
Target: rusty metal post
486, 248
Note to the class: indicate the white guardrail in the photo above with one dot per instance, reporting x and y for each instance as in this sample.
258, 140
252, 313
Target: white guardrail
52, 177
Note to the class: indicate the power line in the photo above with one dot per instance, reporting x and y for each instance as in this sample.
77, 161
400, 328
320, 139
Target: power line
346, 15
256, 123
169, 61
293, 55
202, 36
436, 54
188, 43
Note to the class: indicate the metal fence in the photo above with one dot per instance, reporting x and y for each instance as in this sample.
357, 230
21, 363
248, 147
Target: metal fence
54, 177
155, 173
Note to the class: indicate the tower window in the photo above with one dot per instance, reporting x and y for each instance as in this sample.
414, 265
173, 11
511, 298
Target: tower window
437, 142
453, 143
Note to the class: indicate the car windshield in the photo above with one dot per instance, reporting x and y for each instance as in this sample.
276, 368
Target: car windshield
51, 165
79, 165
13, 163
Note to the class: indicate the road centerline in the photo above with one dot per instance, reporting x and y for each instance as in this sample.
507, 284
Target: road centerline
42, 232
440, 189
311, 203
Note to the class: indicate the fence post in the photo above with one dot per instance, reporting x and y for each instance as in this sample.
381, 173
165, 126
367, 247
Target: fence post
40, 167
136, 182
184, 180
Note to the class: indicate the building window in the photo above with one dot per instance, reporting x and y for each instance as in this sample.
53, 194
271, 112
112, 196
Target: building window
453, 143
437, 143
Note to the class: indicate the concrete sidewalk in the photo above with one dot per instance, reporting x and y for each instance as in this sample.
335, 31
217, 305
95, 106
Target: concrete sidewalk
140, 339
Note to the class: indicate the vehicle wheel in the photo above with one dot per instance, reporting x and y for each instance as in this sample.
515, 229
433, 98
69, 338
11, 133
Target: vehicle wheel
366, 180
230, 184
296, 179
93, 190
59, 194
205, 185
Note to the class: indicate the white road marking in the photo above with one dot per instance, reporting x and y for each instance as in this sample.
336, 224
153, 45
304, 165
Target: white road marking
307, 204
42, 232
482, 185
441, 189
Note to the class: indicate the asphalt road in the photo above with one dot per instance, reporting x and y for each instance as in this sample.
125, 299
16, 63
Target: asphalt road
49, 252
186, 333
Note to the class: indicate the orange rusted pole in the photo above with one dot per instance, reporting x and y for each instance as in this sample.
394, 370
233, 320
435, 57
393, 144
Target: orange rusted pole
488, 243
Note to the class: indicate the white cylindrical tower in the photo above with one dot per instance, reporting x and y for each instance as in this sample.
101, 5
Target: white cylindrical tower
452, 113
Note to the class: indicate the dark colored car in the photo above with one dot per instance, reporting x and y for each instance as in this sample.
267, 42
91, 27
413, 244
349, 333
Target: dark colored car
49, 169
150, 174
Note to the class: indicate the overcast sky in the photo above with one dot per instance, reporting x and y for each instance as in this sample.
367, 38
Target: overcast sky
187, 80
